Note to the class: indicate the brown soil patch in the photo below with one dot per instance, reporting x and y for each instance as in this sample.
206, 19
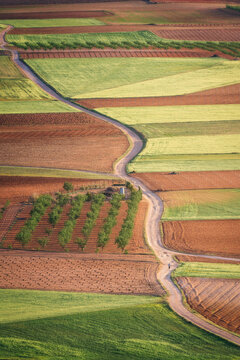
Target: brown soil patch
54, 15
198, 53
218, 237
176, 32
191, 258
115, 274
190, 180
92, 144
216, 299
136, 244
20, 188
229, 94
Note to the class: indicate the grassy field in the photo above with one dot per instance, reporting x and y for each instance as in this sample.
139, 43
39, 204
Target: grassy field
84, 78
8, 70
223, 73
208, 270
201, 204
173, 114
28, 171
27, 107
84, 326
184, 138
14, 86
33, 23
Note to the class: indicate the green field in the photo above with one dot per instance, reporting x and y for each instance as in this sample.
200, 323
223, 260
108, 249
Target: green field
223, 73
37, 106
14, 86
91, 77
208, 270
184, 138
25, 171
51, 325
201, 204
33, 23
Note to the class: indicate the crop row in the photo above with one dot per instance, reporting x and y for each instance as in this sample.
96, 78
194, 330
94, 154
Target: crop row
126, 40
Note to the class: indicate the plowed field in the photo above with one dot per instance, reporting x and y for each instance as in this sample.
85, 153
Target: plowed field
229, 94
117, 53
53, 15
82, 143
166, 31
19, 188
136, 244
216, 299
190, 180
117, 274
191, 258
219, 237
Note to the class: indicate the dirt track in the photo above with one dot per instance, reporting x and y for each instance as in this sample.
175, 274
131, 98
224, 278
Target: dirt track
229, 94
153, 217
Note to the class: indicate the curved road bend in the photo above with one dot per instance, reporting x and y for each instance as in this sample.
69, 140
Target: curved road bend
154, 212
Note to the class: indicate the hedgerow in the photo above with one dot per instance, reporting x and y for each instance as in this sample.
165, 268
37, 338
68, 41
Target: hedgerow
39, 208
233, 7
64, 236
126, 231
110, 221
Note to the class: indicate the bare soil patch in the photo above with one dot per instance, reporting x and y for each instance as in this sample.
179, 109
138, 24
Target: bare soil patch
229, 94
192, 258
136, 245
190, 180
218, 237
53, 15
115, 274
176, 32
80, 143
216, 299
198, 53
20, 188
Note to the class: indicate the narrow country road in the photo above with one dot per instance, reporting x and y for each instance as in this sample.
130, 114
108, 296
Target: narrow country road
154, 212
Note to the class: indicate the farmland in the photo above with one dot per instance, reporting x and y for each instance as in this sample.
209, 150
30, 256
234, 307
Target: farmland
84, 78
190, 180
208, 270
32, 107
201, 204
123, 335
66, 136
215, 299
218, 237
39, 23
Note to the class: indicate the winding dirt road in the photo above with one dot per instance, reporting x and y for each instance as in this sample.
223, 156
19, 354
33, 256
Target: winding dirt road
154, 212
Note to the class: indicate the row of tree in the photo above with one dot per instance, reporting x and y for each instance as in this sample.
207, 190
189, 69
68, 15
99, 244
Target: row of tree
65, 235
55, 214
110, 220
39, 208
126, 231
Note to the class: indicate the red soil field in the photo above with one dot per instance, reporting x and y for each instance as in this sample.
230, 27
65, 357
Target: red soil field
55, 2
218, 237
54, 15
193, 1
198, 53
112, 274
136, 244
229, 94
191, 258
91, 145
190, 180
216, 299
20, 188
179, 32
